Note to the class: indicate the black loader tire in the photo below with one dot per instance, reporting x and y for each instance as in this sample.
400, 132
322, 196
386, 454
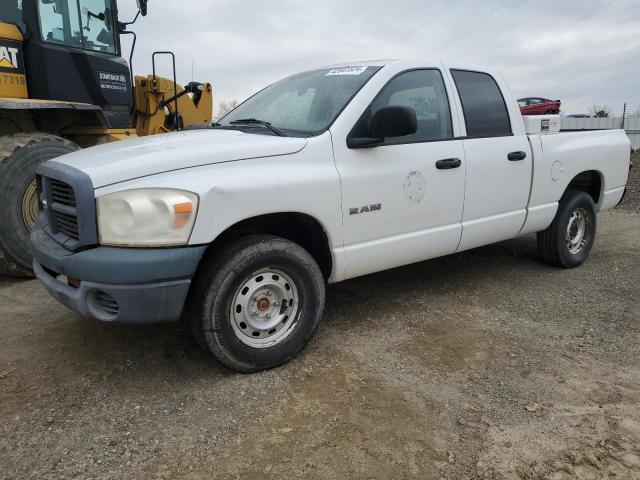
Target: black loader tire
20, 155
219, 280
553, 244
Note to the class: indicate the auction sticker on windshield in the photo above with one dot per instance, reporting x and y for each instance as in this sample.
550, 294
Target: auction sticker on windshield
350, 70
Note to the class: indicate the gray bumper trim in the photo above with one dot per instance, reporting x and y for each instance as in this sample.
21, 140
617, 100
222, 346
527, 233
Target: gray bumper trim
149, 303
121, 266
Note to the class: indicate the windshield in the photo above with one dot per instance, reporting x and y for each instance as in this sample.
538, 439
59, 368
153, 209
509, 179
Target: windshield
305, 104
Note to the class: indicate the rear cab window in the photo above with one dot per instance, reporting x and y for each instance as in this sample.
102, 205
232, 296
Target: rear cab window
485, 110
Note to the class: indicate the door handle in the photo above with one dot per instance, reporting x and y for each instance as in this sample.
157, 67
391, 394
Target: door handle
516, 156
448, 163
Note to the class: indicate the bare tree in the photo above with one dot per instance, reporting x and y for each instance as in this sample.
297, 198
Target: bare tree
600, 111
633, 113
225, 107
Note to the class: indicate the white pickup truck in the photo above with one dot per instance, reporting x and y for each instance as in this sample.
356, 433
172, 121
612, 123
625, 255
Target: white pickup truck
326, 175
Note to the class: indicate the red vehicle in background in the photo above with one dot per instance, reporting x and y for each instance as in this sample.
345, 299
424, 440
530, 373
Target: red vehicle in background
539, 106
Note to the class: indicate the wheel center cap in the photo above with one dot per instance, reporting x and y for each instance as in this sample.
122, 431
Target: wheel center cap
573, 231
263, 304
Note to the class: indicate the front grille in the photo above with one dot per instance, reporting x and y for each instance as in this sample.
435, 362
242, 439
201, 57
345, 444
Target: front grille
67, 224
62, 193
62, 202
68, 202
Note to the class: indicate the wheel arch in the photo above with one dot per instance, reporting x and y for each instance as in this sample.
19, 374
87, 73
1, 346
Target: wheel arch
589, 181
300, 228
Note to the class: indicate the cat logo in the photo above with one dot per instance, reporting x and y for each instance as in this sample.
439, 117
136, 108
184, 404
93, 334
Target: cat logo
9, 57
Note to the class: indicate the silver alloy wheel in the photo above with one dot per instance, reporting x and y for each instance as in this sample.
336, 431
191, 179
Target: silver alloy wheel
577, 231
264, 308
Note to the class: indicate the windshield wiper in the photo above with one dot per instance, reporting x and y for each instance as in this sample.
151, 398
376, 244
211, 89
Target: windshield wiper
255, 121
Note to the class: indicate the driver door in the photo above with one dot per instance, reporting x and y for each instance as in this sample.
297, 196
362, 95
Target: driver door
399, 205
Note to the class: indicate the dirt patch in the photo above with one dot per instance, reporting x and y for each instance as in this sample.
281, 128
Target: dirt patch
482, 365
330, 402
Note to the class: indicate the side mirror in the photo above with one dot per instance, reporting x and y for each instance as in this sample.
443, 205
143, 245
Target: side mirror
393, 121
388, 122
142, 6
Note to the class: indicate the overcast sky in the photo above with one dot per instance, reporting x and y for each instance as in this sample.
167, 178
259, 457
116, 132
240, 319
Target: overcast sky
583, 52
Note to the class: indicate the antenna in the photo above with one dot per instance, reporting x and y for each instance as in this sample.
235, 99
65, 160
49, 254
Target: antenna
192, 69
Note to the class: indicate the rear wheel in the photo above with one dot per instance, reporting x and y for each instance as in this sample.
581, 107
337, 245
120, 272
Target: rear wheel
20, 155
569, 239
256, 303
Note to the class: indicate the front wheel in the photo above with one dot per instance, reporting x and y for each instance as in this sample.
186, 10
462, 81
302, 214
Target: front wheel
256, 303
569, 239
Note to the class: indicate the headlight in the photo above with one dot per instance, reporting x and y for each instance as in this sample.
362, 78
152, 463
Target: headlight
146, 217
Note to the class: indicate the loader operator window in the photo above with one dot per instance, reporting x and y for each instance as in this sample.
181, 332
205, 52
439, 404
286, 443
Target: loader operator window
11, 12
97, 21
87, 24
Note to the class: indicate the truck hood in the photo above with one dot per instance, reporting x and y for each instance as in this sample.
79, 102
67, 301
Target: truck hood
121, 161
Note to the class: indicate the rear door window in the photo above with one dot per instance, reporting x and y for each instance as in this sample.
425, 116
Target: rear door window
485, 111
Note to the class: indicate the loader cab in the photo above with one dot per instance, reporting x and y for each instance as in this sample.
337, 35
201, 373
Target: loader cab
12, 13
72, 53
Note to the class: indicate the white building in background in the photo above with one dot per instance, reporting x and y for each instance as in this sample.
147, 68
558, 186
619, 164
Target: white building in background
631, 126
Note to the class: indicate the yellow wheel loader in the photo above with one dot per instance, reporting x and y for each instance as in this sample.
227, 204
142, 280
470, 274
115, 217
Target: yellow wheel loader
64, 85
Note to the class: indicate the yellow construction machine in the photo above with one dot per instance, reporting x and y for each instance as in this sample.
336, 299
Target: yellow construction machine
64, 85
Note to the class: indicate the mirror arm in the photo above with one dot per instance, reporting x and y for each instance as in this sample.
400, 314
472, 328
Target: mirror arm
122, 26
364, 142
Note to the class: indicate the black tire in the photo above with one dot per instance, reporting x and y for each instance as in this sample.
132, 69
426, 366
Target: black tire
553, 244
20, 156
219, 280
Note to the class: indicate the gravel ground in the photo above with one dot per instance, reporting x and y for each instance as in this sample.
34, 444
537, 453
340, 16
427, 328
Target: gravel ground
632, 199
485, 364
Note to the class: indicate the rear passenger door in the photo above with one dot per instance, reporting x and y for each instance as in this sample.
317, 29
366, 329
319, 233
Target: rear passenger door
498, 160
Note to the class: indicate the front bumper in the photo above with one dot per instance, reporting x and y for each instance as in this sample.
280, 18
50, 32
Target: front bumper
125, 285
